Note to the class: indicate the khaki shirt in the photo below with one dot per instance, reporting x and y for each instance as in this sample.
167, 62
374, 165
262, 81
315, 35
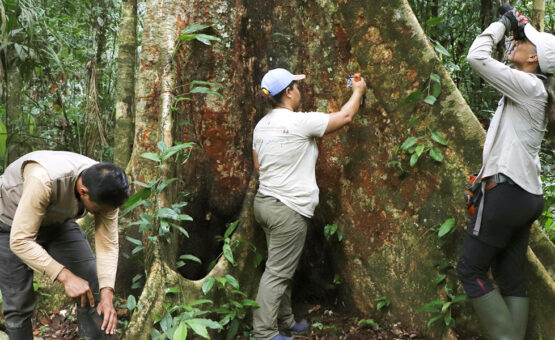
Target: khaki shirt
516, 130
32, 208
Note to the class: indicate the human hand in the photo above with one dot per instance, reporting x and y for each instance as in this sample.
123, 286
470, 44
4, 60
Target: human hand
76, 287
106, 307
513, 21
359, 86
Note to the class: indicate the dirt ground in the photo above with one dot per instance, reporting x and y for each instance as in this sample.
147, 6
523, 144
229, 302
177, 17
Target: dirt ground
326, 324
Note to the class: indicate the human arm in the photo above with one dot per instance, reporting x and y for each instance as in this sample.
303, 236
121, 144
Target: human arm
349, 109
255, 160
107, 248
517, 85
31, 210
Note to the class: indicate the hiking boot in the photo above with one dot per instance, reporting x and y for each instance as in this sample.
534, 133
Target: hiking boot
281, 337
299, 328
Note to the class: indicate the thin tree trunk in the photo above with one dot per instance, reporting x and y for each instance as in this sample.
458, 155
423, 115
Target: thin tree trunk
125, 86
538, 15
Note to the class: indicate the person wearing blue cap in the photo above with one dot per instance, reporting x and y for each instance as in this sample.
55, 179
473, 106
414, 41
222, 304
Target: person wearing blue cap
285, 153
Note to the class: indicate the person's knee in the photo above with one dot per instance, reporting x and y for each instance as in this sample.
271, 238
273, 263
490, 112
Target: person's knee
514, 286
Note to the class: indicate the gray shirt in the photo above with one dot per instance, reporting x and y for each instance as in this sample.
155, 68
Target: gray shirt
516, 131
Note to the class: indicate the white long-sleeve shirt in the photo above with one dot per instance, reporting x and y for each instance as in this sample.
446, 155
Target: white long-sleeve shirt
516, 131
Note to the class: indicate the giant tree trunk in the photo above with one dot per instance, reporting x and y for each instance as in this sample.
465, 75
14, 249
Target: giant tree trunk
388, 218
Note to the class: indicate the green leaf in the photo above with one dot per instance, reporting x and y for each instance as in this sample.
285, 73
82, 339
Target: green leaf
198, 328
250, 303
436, 154
190, 257
206, 83
232, 281
440, 49
436, 89
231, 229
131, 302
232, 330
181, 332
413, 120
430, 100
133, 206
446, 306
134, 241
419, 149
3, 139
435, 78
257, 259
142, 194
206, 39
200, 302
414, 97
208, 284
460, 298
414, 159
193, 28
167, 213
434, 21
438, 137
152, 156
162, 146
137, 249
164, 184
440, 278
205, 90
434, 319
446, 227
228, 254
174, 149
409, 142
173, 290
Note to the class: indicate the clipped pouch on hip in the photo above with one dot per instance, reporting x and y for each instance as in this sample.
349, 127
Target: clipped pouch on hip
472, 194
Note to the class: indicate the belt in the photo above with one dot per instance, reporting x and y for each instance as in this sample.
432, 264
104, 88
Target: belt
487, 184
497, 179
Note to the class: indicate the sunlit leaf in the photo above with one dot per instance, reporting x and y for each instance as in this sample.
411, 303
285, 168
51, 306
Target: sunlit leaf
414, 97
408, 143
436, 154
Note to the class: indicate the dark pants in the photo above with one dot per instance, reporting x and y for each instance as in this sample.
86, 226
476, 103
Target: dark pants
509, 212
67, 244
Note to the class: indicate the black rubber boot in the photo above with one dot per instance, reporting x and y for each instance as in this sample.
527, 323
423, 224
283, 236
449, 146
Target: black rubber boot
495, 316
89, 323
518, 307
25, 332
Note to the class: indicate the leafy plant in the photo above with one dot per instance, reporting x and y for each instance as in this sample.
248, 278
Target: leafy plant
332, 229
156, 223
369, 323
442, 309
382, 302
233, 312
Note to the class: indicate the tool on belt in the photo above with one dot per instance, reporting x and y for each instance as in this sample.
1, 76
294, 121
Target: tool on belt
475, 192
355, 77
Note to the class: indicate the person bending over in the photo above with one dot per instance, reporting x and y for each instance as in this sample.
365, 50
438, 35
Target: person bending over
41, 195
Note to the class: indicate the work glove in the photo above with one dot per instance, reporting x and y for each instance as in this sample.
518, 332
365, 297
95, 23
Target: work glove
513, 21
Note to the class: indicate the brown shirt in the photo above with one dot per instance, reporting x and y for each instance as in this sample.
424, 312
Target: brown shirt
30, 211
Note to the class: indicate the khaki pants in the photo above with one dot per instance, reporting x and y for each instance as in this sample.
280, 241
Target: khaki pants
285, 231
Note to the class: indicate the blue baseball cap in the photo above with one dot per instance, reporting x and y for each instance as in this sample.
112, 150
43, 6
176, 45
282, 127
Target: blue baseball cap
277, 80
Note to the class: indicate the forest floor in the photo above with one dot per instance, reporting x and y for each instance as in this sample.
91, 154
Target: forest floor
325, 324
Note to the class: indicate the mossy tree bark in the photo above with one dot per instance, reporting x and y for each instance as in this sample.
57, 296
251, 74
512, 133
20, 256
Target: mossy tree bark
389, 219
125, 85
